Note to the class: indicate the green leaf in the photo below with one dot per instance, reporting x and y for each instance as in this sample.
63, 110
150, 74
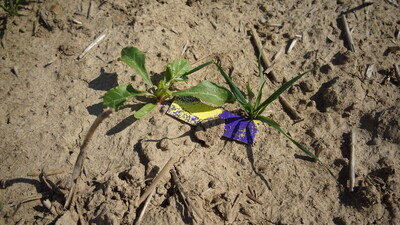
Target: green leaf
276, 126
176, 70
260, 109
250, 94
116, 97
209, 92
198, 68
146, 109
136, 60
259, 95
239, 96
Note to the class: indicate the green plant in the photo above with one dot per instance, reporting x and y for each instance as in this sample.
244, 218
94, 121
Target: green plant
176, 71
12, 6
254, 109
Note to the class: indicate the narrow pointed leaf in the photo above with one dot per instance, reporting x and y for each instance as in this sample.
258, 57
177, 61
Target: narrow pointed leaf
278, 92
198, 68
239, 96
276, 126
136, 60
208, 92
117, 96
146, 109
250, 93
259, 95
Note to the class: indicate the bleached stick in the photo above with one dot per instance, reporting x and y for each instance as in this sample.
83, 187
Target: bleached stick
185, 195
348, 34
352, 162
144, 208
156, 180
94, 43
264, 58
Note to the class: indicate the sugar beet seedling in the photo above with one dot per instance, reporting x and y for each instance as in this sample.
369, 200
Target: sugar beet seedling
175, 71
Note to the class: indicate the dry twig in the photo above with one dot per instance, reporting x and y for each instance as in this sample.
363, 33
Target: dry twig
185, 195
348, 34
397, 72
352, 162
264, 58
94, 43
168, 166
139, 220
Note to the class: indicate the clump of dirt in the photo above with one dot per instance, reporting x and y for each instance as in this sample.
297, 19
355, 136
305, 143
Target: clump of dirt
389, 124
343, 94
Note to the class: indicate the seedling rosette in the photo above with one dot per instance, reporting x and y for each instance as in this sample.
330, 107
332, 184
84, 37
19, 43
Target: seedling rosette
176, 71
253, 109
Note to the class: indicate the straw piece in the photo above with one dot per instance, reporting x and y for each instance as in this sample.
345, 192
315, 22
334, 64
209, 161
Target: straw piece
289, 109
139, 220
168, 166
352, 162
291, 46
264, 58
278, 54
94, 43
185, 47
185, 195
348, 34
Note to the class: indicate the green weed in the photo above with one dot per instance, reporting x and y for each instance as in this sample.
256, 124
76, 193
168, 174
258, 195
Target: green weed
176, 71
12, 6
254, 108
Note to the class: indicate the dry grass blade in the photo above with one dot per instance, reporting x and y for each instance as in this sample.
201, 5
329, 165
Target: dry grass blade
185, 195
91, 45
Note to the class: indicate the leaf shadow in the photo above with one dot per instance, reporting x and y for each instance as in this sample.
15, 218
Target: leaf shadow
105, 81
250, 156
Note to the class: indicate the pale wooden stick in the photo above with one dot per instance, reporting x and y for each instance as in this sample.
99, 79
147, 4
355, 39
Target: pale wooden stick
139, 220
47, 172
260, 49
185, 47
348, 34
94, 43
156, 180
291, 46
290, 110
352, 162
185, 195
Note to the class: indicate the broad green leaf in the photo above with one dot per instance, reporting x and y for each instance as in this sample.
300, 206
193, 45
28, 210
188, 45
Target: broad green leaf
116, 97
209, 92
260, 109
146, 109
250, 94
176, 69
276, 126
198, 68
239, 96
136, 60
